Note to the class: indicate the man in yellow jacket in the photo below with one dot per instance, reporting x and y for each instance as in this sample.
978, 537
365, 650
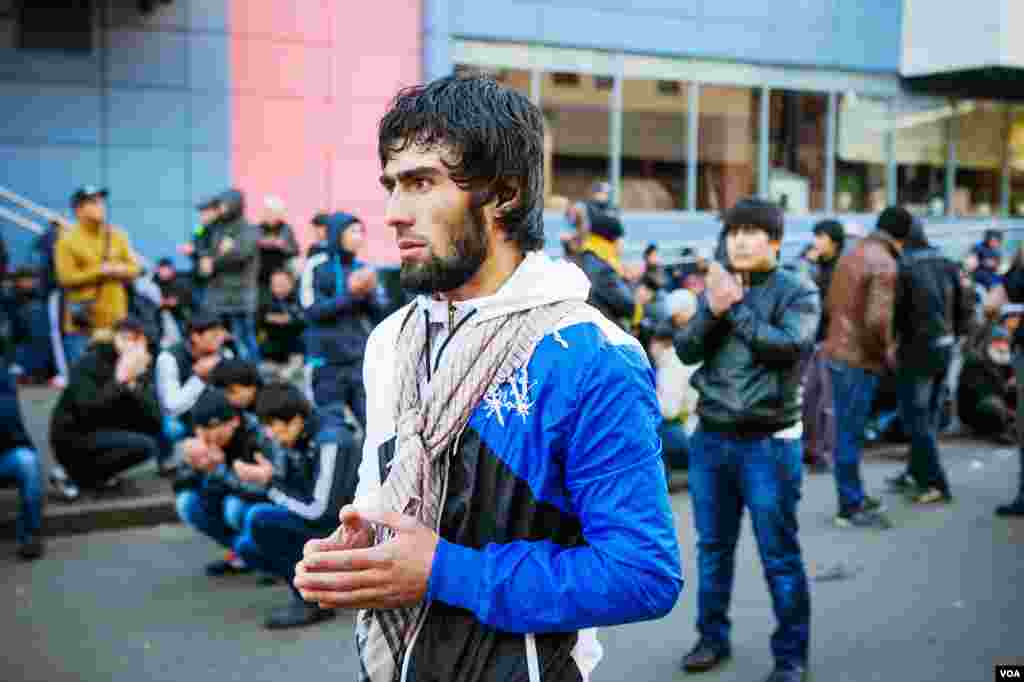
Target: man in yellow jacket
94, 263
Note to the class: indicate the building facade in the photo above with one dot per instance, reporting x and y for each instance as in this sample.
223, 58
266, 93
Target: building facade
831, 108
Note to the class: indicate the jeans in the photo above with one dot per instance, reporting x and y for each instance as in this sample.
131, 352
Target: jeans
674, 444
22, 465
203, 509
853, 390
1018, 367
235, 511
273, 539
243, 327
764, 475
920, 399
75, 346
93, 459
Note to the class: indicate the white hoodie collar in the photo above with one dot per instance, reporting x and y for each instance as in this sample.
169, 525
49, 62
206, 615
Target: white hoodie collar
539, 280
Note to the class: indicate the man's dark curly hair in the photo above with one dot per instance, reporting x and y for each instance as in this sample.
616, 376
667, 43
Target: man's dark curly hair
490, 134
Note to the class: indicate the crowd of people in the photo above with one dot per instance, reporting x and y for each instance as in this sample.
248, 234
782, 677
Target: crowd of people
244, 379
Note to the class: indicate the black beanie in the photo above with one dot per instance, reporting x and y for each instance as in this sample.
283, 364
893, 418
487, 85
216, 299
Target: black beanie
834, 229
896, 221
756, 213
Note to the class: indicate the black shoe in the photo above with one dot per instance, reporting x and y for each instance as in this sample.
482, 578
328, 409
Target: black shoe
166, 469
223, 567
862, 518
1015, 508
31, 549
296, 615
873, 504
64, 489
704, 657
789, 674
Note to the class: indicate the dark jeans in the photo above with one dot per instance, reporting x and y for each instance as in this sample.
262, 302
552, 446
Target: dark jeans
75, 346
93, 459
853, 390
340, 384
272, 540
243, 327
920, 404
764, 475
22, 466
674, 444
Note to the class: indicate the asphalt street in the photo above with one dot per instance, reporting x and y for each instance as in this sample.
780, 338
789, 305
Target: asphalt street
938, 597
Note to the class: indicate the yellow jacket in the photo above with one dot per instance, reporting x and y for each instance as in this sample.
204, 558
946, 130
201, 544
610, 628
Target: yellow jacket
77, 259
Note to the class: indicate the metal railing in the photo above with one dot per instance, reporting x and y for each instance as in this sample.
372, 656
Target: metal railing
44, 213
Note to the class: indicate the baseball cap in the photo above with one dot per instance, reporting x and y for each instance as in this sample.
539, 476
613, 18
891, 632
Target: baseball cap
87, 192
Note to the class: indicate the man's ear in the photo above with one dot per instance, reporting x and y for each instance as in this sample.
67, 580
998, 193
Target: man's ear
506, 194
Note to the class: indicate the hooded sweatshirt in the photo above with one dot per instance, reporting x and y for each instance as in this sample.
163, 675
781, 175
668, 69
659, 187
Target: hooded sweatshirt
339, 324
555, 518
232, 288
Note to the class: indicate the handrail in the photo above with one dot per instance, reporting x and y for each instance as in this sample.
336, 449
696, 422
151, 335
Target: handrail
32, 207
44, 212
20, 221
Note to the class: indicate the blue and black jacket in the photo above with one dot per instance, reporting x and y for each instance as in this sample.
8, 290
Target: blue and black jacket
339, 324
556, 516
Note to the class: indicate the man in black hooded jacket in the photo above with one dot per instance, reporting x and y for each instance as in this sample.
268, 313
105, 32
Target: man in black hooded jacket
343, 302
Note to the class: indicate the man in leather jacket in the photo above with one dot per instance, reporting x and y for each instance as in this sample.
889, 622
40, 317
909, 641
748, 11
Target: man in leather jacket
860, 346
752, 328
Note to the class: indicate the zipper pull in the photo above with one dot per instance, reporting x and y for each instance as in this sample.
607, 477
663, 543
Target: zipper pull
451, 316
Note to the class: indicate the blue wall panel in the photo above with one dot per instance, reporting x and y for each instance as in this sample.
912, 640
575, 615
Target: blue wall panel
148, 117
210, 117
148, 175
48, 174
50, 114
146, 58
155, 127
210, 173
209, 62
862, 36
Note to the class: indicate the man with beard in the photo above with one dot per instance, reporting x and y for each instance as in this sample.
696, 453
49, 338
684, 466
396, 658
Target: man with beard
342, 302
512, 495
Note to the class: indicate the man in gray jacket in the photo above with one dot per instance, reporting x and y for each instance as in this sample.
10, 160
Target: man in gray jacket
231, 261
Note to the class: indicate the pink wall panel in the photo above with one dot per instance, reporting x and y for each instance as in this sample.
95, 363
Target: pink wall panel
310, 82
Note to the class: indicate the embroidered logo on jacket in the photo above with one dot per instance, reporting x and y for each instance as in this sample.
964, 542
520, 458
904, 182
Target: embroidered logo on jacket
513, 396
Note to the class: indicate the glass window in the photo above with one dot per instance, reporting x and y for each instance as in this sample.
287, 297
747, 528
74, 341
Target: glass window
654, 145
1017, 162
861, 154
577, 115
797, 158
980, 149
727, 146
919, 129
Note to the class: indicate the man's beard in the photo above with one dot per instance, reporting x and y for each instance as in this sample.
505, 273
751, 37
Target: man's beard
469, 244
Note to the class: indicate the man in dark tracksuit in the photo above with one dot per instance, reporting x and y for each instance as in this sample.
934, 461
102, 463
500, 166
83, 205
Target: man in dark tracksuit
342, 302
932, 309
315, 477
750, 333
19, 462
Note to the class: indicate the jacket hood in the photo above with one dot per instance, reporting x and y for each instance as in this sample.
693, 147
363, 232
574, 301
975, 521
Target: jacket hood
539, 280
337, 224
234, 205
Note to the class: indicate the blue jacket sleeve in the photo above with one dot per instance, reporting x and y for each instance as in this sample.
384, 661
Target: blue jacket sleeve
320, 305
629, 567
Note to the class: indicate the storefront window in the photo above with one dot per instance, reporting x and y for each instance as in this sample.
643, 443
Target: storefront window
1017, 162
578, 120
654, 145
981, 139
861, 154
798, 127
727, 146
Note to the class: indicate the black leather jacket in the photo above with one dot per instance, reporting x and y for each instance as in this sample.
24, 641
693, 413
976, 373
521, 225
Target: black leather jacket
932, 308
749, 379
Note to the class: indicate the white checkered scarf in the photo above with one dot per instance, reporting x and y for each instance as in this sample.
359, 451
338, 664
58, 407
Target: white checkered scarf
488, 353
